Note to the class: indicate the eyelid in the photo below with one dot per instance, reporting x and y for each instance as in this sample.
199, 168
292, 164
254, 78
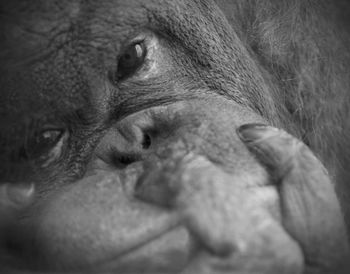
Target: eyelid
136, 40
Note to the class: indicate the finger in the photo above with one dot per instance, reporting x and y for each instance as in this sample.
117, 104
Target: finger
310, 208
14, 198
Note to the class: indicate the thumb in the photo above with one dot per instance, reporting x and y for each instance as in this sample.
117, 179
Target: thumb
310, 209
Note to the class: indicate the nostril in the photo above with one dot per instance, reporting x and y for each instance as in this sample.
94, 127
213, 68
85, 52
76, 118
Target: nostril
123, 160
146, 142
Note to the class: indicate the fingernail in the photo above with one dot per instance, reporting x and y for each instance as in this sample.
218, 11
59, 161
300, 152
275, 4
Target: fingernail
251, 132
20, 194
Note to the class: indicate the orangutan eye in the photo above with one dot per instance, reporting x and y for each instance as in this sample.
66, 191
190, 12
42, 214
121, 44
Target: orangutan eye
44, 145
131, 60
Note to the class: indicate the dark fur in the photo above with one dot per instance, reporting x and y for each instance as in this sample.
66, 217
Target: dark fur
302, 49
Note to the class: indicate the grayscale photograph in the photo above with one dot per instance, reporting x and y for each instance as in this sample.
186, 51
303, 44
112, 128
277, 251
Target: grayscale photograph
175, 136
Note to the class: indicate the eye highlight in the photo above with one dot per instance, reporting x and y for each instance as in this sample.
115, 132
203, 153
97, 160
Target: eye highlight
131, 60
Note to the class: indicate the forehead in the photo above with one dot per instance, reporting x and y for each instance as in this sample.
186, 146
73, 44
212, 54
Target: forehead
50, 49
39, 29
41, 37
49, 18
32, 25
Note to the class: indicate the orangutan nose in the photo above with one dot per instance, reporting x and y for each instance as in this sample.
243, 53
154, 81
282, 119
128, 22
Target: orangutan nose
122, 146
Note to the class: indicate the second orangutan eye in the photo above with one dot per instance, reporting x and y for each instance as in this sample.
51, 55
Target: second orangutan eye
46, 144
131, 60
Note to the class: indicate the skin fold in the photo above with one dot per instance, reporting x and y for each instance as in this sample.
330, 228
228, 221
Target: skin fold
174, 137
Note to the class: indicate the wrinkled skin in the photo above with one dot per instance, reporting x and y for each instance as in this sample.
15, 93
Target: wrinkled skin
174, 165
